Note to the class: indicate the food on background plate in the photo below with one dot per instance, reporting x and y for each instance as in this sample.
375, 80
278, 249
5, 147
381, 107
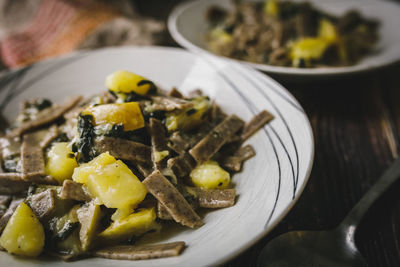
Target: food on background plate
92, 176
290, 34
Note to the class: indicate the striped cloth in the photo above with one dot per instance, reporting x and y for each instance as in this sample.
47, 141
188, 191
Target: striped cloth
60, 26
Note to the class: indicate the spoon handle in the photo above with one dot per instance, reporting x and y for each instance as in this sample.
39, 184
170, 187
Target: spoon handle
386, 180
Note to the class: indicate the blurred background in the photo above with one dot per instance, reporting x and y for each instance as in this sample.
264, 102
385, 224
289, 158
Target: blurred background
31, 30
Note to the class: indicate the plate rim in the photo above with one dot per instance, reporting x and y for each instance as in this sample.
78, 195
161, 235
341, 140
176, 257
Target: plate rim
172, 26
310, 160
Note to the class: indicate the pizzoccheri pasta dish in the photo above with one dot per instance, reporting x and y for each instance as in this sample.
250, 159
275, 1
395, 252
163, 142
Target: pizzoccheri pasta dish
92, 176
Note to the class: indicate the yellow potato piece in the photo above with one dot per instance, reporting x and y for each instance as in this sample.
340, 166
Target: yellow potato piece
116, 186
82, 173
327, 31
133, 225
23, 234
61, 162
123, 81
112, 183
309, 48
210, 175
128, 114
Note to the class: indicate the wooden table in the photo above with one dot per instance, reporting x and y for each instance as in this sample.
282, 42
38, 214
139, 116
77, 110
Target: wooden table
356, 125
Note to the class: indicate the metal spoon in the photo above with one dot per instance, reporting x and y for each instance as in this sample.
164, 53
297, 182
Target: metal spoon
327, 248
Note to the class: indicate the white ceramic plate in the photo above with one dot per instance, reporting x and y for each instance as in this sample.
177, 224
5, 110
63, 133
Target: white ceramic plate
269, 184
188, 27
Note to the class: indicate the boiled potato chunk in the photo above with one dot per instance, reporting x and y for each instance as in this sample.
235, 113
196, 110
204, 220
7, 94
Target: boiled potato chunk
111, 182
89, 216
133, 225
188, 118
327, 31
23, 234
123, 81
210, 175
128, 114
82, 173
116, 186
314, 48
61, 162
309, 48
